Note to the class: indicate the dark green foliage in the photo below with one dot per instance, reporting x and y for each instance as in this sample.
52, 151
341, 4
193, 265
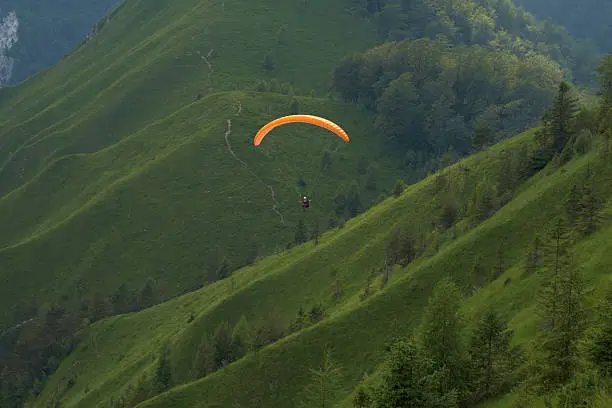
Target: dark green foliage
532, 260
558, 129
429, 97
242, 341
494, 362
323, 385
564, 110
449, 213
399, 188
348, 201
163, 372
411, 379
301, 321
316, 314
367, 290
337, 295
268, 329
147, 294
483, 202
600, 347
562, 307
123, 300
204, 360
583, 205
224, 269
401, 247
362, 397
483, 136
222, 341
440, 334
579, 392
293, 106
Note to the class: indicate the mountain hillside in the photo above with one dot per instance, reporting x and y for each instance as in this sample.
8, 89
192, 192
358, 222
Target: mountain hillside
138, 119
128, 175
118, 360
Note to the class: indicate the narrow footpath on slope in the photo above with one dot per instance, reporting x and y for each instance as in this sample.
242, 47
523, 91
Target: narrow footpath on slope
228, 133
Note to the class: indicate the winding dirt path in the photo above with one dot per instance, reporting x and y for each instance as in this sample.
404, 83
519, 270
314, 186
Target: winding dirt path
228, 132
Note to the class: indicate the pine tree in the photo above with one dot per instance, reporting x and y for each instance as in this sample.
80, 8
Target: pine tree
300, 321
163, 372
532, 261
401, 247
561, 304
440, 332
556, 263
563, 113
224, 269
493, 361
147, 294
204, 360
560, 344
589, 207
572, 204
324, 384
242, 340
362, 397
483, 135
412, 379
293, 106
223, 345
600, 347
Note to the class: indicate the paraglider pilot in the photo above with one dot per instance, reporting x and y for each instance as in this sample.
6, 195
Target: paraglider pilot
305, 203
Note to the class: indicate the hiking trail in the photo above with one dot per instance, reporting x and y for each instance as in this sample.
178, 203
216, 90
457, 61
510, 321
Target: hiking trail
228, 132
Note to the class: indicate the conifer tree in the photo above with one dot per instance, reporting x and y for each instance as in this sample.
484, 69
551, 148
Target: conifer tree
223, 345
204, 360
242, 340
440, 333
163, 372
600, 348
412, 379
560, 343
563, 113
324, 384
483, 135
493, 360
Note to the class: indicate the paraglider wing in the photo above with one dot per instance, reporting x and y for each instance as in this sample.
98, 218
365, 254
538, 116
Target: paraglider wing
315, 120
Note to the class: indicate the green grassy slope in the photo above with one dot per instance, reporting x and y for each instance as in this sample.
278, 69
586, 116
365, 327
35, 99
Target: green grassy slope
170, 186
116, 352
147, 61
110, 170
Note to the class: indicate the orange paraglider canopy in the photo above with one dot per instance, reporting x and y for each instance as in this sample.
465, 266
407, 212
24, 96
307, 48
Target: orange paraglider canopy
314, 120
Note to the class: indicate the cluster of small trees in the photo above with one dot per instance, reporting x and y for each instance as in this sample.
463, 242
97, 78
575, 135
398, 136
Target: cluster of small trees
430, 98
497, 24
438, 367
39, 345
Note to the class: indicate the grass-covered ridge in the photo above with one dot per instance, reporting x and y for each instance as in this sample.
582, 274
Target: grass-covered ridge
118, 351
159, 187
137, 103
128, 176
